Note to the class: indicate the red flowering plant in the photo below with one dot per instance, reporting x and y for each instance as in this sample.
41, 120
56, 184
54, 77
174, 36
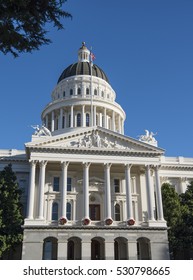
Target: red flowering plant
108, 221
86, 221
131, 222
62, 221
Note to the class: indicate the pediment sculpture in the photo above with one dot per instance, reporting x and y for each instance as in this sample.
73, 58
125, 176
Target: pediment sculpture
94, 140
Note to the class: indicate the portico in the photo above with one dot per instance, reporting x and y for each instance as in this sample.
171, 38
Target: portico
96, 190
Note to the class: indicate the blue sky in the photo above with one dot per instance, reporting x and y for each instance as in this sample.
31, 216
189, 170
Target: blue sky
144, 46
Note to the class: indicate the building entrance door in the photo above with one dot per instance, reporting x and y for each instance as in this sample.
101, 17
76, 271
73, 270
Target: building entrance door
94, 212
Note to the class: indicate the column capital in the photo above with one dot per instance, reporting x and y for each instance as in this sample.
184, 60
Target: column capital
64, 164
183, 179
128, 166
33, 162
43, 162
107, 164
150, 167
86, 164
157, 166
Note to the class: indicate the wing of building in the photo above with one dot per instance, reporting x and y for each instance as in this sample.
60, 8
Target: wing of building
91, 192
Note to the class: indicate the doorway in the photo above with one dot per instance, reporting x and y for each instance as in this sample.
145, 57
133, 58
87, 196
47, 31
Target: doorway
94, 212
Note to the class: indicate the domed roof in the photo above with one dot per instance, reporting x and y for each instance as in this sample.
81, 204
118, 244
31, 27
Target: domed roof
82, 68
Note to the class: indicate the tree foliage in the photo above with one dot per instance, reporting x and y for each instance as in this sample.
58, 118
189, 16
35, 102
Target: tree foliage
178, 212
172, 212
10, 211
184, 232
22, 23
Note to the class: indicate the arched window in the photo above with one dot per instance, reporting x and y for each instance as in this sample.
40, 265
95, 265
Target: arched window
117, 212
71, 91
50, 249
69, 211
78, 122
79, 91
87, 119
70, 255
97, 248
55, 211
121, 248
74, 248
87, 91
143, 249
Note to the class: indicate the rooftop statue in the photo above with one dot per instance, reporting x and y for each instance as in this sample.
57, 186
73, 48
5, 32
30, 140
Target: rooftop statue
148, 138
41, 130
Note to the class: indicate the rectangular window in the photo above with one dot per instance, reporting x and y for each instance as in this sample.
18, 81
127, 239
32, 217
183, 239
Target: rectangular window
63, 121
117, 185
23, 185
56, 183
69, 120
55, 211
69, 184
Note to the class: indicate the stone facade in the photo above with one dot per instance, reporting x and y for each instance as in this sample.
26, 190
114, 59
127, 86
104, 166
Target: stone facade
90, 191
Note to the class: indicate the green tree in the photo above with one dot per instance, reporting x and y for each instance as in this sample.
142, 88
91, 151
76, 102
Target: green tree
10, 211
184, 231
172, 214
22, 23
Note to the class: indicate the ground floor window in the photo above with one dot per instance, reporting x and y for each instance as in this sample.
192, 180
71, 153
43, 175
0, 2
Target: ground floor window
143, 249
97, 249
50, 248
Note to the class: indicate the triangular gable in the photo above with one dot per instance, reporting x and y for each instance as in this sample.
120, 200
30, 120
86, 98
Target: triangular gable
94, 138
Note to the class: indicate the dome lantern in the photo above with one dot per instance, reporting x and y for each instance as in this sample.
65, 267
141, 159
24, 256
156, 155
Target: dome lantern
83, 53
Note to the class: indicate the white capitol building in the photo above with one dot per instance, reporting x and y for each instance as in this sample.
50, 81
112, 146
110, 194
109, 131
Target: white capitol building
91, 192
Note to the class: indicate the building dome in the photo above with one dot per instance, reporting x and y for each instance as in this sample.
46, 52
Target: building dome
83, 68
83, 97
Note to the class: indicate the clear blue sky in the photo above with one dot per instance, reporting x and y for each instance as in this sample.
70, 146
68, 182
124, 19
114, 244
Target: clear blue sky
144, 46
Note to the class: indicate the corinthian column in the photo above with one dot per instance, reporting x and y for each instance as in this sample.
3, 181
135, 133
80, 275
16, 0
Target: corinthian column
41, 189
128, 192
71, 116
31, 192
64, 188
86, 189
150, 192
158, 195
107, 167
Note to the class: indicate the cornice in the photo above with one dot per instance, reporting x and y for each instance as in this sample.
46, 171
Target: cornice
14, 159
91, 228
176, 167
93, 151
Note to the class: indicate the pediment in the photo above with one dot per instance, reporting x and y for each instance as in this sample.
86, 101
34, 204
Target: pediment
94, 139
